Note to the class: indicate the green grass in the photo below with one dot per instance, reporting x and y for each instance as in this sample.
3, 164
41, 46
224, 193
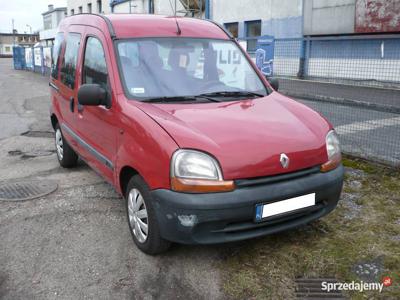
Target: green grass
266, 268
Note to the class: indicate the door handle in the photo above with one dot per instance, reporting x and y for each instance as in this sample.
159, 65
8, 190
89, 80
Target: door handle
52, 85
71, 104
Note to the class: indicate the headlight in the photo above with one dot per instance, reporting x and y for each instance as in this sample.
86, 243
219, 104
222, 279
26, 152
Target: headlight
333, 152
195, 164
197, 172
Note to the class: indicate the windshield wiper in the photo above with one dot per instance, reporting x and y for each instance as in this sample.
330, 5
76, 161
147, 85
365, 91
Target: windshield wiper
231, 94
179, 99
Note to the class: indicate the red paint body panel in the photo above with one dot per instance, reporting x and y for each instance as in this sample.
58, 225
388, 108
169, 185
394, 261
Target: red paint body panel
144, 145
245, 136
162, 26
377, 16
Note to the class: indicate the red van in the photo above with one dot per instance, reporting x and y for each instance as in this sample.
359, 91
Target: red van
175, 115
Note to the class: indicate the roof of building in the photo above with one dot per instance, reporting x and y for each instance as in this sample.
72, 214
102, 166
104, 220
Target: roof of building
144, 25
54, 9
18, 34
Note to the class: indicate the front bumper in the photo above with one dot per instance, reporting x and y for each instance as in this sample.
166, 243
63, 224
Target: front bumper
224, 217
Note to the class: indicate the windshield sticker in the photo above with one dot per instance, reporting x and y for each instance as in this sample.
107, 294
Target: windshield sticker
137, 90
182, 61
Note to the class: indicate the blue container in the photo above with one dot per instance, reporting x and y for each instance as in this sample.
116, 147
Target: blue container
19, 58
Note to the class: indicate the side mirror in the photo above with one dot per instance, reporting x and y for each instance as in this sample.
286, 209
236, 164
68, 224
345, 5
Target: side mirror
93, 94
274, 82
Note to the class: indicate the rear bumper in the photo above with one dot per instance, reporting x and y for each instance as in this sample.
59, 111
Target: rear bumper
225, 217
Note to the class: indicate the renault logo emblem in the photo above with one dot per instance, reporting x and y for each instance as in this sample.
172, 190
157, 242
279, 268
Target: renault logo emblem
284, 160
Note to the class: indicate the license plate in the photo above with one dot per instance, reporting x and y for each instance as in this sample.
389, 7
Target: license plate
280, 207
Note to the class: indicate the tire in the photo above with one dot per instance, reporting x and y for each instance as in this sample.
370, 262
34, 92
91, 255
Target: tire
138, 198
65, 154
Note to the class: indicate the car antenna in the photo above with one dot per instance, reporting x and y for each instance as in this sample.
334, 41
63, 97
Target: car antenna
178, 29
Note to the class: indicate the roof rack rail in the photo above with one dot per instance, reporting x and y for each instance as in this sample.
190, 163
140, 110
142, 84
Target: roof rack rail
107, 20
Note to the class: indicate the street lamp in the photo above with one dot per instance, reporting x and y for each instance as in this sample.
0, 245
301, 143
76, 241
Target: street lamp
30, 28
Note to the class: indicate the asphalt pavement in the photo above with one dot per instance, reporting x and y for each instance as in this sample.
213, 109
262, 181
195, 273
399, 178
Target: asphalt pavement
75, 243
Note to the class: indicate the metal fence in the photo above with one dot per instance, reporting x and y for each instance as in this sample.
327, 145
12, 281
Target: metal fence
36, 59
354, 82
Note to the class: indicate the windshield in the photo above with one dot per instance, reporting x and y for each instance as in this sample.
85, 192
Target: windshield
177, 67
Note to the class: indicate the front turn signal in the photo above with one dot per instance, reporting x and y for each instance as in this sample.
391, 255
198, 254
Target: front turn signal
331, 164
188, 185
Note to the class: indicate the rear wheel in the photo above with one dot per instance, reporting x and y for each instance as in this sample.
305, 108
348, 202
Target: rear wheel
142, 219
65, 154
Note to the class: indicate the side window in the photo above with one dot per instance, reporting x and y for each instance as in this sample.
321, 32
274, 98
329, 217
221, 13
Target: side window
56, 54
94, 65
68, 66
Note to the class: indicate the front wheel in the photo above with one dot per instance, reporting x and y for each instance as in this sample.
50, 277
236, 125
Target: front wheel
142, 219
65, 154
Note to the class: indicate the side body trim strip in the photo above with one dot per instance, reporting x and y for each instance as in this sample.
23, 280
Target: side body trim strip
100, 157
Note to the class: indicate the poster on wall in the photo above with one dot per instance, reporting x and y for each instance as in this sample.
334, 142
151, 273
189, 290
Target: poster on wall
28, 58
47, 56
265, 54
38, 57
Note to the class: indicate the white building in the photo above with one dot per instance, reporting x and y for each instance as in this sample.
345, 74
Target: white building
161, 7
8, 40
51, 18
88, 6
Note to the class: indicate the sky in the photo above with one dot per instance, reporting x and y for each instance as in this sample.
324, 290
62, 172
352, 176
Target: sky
25, 12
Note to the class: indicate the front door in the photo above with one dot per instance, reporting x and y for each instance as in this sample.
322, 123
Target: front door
68, 78
96, 125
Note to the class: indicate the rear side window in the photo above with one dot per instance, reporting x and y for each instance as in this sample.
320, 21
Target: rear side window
94, 65
56, 54
68, 66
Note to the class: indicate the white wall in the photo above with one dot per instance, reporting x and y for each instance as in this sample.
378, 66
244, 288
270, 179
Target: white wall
74, 4
3, 49
280, 18
224, 11
136, 7
161, 7
358, 69
50, 33
329, 16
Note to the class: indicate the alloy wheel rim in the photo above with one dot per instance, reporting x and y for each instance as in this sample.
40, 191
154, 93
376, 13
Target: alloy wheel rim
137, 213
59, 144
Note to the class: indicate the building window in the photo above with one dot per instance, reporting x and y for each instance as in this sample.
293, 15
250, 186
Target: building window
72, 12
233, 28
68, 66
151, 6
80, 9
7, 48
94, 66
99, 9
47, 22
89, 8
253, 31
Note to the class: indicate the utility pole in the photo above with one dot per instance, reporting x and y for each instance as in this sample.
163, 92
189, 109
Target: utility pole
13, 34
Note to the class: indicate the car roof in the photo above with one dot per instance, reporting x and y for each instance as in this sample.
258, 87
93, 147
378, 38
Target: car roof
140, 25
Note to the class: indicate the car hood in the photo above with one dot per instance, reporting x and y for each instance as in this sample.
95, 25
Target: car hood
247, 137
